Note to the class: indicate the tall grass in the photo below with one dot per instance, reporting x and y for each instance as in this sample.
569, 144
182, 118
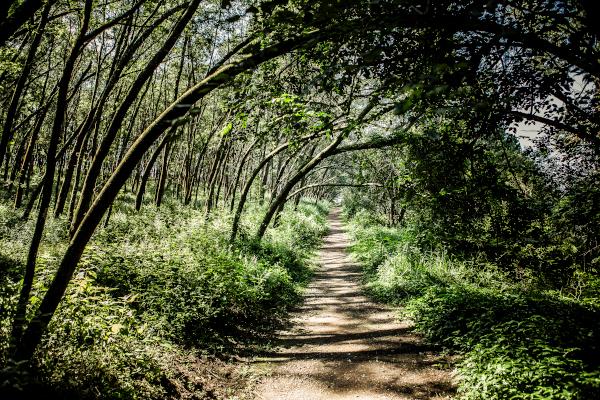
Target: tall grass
516, 340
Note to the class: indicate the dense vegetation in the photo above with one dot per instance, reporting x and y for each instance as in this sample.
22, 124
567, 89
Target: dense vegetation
156, 290
521, 334
154, 155
493, 251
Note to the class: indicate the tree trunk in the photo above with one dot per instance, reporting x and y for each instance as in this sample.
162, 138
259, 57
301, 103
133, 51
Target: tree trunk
117, 120
282, 196
248, 185
160, 188
222, 175
239, 173
11, 112
254, 56
212, 178
46, 195
326, 152
139, 198
28, 158
19, 17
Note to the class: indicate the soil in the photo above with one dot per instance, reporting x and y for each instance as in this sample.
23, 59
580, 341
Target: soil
343, 346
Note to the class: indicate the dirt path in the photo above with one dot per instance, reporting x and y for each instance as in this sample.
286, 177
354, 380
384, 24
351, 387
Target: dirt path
343, 346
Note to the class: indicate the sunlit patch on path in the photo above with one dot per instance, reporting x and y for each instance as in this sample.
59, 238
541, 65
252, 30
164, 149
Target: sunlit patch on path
343, 346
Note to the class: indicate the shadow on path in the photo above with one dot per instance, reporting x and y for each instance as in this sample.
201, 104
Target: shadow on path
343, 346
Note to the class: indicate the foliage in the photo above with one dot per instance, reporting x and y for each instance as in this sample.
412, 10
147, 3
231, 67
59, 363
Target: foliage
124, 93
153, 286
517, 341
485, 197
520, 360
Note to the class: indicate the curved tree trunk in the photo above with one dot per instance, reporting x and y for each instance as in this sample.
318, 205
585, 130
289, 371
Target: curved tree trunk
282, 196
11, 112
56, 290
46, 195
94, 170
82, 133
193, 180
326, 152
19, 17
162, 179
222, 175
212, 177
139, 198
250, 181
239, 173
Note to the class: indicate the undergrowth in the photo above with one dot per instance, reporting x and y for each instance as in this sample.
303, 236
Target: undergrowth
156, 290
517, 339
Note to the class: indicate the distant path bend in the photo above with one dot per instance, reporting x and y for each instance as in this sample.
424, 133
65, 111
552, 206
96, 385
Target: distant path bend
343, 346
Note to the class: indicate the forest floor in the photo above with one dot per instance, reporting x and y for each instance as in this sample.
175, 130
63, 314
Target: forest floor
343, 346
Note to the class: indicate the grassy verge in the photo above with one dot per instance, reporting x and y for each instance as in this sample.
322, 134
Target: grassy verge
156, 293
516, 341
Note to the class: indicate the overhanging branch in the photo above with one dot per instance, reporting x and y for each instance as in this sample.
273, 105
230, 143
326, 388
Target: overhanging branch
303, 188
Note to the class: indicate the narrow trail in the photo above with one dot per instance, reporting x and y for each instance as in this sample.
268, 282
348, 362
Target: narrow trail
343, 346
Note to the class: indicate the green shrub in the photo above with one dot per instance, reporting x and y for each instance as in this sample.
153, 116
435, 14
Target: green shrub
519, 360
516, 339
152, 287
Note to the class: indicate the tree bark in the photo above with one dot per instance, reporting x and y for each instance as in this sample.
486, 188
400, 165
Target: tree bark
211, 178
282, 196
326, 152
239, 173
139, 198
19, 17
162, 179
